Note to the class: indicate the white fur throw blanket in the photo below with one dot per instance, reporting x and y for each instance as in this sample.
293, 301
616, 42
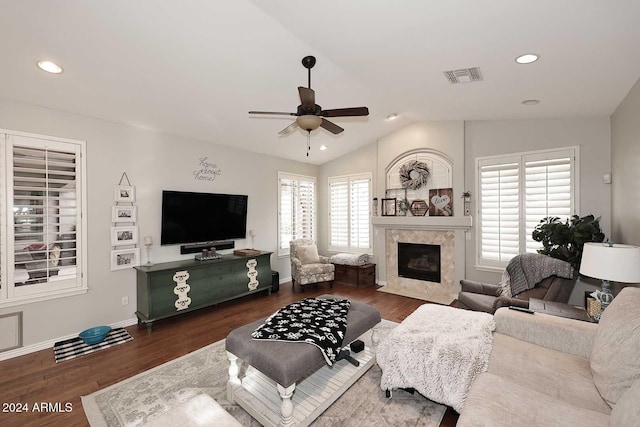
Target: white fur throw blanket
438, 351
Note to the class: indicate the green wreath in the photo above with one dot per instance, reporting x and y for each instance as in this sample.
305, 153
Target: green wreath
414, 174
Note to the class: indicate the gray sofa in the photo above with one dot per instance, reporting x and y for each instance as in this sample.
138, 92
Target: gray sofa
552, 371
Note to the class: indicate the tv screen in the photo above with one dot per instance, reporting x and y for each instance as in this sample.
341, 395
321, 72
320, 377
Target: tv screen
201, 217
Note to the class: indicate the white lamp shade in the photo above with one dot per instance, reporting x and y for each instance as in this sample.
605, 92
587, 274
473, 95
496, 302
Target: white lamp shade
309, 122
616, 263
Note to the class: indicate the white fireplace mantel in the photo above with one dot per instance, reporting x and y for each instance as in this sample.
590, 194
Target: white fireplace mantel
423, 222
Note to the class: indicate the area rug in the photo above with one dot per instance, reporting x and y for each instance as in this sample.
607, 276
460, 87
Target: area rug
75, 347
141, 398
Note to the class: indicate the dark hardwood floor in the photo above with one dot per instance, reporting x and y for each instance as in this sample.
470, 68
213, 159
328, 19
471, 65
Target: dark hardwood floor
36, 378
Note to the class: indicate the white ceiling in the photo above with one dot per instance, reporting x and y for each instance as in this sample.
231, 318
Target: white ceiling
195, 68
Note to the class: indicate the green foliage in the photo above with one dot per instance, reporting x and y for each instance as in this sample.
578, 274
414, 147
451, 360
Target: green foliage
564, 240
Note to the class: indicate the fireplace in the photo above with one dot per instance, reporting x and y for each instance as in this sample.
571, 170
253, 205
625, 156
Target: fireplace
419, 261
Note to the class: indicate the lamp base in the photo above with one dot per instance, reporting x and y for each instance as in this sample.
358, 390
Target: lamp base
605, 297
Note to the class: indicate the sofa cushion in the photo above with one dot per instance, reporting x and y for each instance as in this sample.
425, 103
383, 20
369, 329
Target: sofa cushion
308, 254
626, 413
561, 376
495, 401
614, 360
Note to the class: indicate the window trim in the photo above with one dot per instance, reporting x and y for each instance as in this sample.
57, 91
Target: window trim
348, 179
521, 157
6, 297
284, 251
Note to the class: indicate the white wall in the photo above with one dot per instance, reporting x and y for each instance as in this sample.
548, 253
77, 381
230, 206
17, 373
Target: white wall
153, 162
625, 159
487, 138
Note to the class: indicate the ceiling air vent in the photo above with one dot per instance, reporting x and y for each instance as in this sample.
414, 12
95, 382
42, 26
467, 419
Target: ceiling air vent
464, 75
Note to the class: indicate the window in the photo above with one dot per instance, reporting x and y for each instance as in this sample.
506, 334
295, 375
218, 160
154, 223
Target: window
349, 214
296, 209
515, 193
42, 197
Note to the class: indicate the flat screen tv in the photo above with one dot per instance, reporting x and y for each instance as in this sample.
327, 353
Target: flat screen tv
202, 217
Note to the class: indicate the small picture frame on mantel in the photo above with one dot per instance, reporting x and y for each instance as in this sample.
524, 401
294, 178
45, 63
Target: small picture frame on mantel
389, 207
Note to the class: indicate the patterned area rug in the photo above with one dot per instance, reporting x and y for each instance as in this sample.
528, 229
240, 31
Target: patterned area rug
145, 396
74, 347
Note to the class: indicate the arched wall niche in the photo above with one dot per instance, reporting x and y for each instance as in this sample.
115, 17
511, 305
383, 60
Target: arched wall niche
440, 165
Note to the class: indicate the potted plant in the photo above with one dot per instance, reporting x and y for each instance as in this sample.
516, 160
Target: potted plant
564, 240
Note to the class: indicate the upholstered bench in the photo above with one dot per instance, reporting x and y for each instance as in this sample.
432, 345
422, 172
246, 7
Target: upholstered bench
281, 365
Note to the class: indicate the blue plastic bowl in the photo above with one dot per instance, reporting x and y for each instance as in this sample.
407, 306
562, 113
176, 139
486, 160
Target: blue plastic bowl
94, 335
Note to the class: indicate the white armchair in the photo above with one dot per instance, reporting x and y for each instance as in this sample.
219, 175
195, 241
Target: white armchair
307, 266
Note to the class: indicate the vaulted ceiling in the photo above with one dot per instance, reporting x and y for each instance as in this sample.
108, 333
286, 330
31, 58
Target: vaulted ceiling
195, 68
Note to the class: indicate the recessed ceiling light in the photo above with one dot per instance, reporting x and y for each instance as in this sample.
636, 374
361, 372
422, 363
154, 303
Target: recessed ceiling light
527, 58
323, 147
50, 67
531, 102
392, 116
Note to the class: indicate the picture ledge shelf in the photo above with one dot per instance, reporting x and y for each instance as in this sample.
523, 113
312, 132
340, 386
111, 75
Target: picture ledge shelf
427, 222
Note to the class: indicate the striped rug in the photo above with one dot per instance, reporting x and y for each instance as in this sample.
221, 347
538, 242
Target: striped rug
74, 347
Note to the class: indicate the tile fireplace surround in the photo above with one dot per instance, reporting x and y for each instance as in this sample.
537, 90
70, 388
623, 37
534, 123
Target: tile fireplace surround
448, 232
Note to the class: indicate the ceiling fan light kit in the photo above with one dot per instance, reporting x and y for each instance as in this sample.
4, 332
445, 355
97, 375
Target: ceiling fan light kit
309, 115
309, 122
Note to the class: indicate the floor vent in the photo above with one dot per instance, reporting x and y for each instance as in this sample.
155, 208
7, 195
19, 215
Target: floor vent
464, 75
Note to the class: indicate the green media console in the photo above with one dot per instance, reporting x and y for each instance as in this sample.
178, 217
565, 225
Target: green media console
171, 288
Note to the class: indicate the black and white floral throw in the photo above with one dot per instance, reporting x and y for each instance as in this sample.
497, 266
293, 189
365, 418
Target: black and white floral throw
317, 321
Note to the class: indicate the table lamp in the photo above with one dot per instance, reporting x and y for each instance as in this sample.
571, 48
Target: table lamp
610, 263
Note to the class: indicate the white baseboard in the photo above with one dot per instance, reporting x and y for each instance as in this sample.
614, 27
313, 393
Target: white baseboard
49, 344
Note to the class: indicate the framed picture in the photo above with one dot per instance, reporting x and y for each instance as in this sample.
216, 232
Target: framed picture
441, 202
122, 259
124, 236
389, 207
124, 193
124, 214
419, 207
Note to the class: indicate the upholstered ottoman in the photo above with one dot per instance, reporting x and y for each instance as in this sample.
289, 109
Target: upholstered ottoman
277, 369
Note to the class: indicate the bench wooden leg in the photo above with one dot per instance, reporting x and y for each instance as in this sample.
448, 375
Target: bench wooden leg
286, 407
374, 337
234, 381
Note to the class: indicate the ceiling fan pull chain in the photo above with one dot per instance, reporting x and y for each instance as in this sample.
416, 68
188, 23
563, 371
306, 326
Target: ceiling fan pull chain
308, 142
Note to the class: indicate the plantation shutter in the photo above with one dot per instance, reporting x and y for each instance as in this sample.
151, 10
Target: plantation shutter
45, 217
339, 213
360, 217
518, 191
296, 209
548, 190
499, 211
349, 214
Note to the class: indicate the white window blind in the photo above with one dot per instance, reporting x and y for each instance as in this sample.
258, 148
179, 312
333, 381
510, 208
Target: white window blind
42, 200
499, 211
296, 209
349, 212
515, 193
548, 191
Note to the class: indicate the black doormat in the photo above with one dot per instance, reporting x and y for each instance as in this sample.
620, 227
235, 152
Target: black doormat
74, 347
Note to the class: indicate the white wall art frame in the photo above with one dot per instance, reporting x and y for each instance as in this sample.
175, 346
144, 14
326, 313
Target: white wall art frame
122, 259
124, 193
124, 213
121, 236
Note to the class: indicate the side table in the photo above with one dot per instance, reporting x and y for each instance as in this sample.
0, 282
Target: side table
559, 309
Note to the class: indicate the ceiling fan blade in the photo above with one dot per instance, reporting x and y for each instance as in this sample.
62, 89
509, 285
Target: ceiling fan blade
277, 113
346, 112
331, 127
307, 98
286, 131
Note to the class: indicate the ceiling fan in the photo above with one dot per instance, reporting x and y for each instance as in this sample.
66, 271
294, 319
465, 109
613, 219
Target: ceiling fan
311, 116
